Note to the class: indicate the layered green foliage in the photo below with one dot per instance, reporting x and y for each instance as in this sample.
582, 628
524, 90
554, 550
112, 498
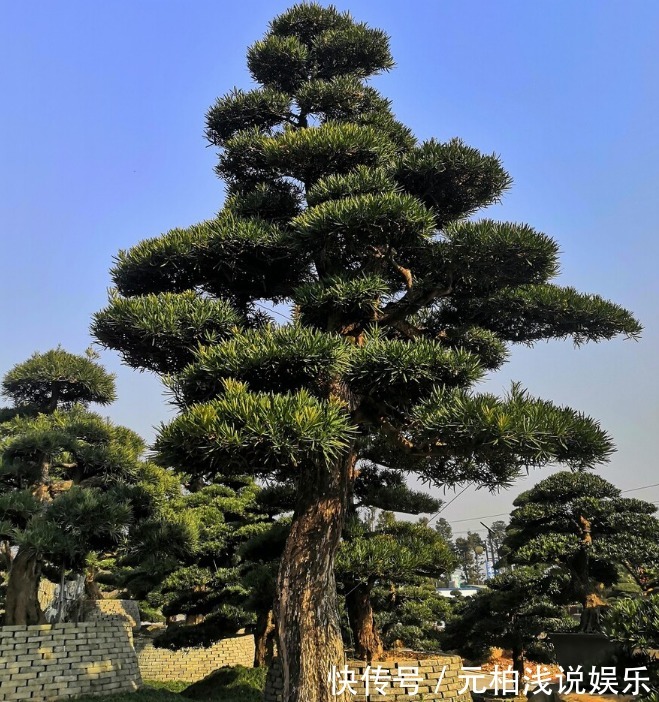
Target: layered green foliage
209, 554
69, 479
412, 615
578, 524
514, 612
399, 300
395, 567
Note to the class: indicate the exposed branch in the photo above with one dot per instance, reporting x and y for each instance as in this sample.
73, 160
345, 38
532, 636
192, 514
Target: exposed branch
413, 301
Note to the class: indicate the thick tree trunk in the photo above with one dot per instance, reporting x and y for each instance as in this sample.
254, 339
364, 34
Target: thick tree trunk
518, 660
591, 613
306, 612
591, 601
22, 600
368, 644
92, 589
263, 632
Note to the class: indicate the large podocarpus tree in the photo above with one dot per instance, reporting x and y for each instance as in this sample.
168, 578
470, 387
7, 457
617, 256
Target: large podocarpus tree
399, 304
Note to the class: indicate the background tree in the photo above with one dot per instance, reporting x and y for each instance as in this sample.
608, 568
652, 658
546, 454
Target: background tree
393, 555
63, 470
512, 613
411, 614
212, 555
444, 529
400, 304
469, 551
496, 533
578, 524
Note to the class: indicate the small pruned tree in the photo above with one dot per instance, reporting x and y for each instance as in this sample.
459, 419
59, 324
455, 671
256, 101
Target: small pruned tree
211, 554
399, 554
62, 469
468, 550
578, 523
515, 610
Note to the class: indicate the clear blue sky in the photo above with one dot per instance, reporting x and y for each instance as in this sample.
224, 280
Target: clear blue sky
101, 146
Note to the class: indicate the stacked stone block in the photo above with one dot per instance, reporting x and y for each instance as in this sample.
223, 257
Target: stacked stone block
192, 664
58, 661
429, 680
100, 609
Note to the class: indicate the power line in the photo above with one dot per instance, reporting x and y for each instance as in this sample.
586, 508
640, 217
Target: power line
484, 516
506, 514
641, 488
453, 499
269, 309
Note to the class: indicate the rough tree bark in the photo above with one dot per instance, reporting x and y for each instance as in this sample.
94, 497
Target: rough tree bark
591, 602
306, 612
22, 599
263, 634
368, 643
518, 656
92, 588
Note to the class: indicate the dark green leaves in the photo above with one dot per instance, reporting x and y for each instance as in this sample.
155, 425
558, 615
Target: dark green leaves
519, 429
279, 63
453, 179
260, 109
355, 230
305, 154
341, 98
360, 181
273, 360
256, 433
526, 314
161, 332
239, 259
336, 302
310, 41
400, 552
484, 256
58, 379
356, 50
397, 373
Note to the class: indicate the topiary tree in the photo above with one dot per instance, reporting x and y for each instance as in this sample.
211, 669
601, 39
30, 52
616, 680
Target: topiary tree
412, 614
400, 554
578, 524
512, 613
212, 555
399, 304
62, 472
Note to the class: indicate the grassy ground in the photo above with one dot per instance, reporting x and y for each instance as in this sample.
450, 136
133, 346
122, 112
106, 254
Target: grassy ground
236, 684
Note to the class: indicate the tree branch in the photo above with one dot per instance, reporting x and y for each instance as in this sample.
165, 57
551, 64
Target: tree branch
413, 301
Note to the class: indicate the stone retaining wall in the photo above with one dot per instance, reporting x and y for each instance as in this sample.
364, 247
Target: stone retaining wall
437, 679
58, 661
192, 664
100, 609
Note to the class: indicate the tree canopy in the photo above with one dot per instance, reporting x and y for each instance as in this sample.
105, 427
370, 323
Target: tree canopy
66, 474
579, 524
399, 302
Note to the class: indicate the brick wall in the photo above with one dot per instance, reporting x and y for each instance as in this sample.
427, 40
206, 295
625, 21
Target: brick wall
125, 609
192, 664
57, 661
437, 678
